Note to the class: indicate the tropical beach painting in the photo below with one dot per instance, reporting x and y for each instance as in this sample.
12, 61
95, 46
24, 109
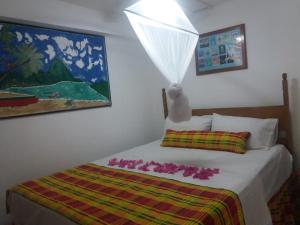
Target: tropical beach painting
46, 70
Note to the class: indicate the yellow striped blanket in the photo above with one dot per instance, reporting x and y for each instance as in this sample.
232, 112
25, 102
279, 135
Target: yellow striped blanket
92, 195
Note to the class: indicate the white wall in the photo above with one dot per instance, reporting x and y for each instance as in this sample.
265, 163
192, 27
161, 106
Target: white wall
273, 34
35, 146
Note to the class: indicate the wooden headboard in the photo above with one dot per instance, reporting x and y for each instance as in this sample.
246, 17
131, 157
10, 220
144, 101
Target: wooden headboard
281, 112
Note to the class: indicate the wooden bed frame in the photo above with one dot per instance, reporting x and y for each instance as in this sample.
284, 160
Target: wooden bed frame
281, 112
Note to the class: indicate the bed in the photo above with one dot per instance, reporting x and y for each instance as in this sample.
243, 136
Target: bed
254, 178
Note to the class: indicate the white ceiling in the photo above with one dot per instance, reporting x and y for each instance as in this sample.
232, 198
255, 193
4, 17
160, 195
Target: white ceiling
112, 9
114, 21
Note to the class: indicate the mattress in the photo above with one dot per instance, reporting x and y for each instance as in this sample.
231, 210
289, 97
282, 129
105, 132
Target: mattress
255, 176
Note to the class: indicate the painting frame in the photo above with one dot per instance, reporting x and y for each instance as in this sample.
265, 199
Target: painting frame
75, 31
241, 53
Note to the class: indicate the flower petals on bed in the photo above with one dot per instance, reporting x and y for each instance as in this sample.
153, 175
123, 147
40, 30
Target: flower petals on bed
168, 168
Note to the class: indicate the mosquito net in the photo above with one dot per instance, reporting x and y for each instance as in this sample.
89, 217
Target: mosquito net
169, 39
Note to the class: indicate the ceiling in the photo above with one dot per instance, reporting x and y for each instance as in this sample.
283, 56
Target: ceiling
114, 21
112, 9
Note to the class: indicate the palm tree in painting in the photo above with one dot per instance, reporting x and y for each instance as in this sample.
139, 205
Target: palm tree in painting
28, 60
6, 38
25, 59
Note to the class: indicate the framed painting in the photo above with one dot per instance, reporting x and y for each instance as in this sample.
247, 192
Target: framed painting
222, 50
45, 70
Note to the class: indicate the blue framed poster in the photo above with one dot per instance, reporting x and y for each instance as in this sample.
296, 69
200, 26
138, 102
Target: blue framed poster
46, 70
222, 50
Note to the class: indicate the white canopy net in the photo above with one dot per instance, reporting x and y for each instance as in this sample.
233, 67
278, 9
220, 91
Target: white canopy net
169, 39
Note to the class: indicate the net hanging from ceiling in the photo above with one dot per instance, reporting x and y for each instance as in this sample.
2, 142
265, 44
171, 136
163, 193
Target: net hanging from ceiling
169, 39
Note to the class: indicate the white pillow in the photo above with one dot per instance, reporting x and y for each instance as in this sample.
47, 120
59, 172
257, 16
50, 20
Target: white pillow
202, 123
263, 131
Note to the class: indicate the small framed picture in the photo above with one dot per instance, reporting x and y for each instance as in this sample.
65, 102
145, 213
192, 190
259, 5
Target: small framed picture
222, 50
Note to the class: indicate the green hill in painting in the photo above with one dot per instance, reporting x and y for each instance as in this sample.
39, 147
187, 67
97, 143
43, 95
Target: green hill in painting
63, 90
102, 88
57, 72
58, 79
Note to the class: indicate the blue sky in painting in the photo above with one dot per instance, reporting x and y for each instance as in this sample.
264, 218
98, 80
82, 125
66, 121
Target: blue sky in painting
84, 55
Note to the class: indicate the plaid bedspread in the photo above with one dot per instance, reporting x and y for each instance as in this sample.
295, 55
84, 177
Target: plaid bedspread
92, 195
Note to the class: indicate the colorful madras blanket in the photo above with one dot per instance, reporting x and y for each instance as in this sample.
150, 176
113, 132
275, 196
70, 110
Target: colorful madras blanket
92, 195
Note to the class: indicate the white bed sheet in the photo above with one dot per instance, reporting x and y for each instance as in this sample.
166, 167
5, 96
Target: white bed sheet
255, 176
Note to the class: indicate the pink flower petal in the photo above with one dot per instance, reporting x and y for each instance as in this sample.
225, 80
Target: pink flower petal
168, 168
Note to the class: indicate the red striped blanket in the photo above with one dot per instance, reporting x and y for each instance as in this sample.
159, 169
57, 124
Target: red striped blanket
92, 195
